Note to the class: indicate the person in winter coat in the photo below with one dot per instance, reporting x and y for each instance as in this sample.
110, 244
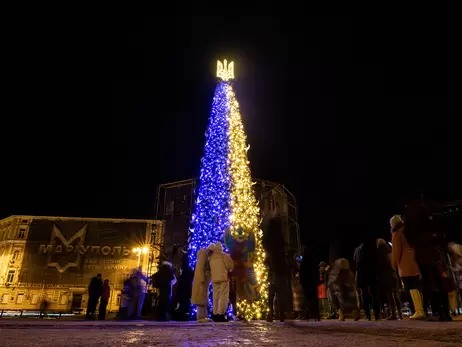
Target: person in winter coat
141, 282
201, 284
183, 291
220, 266
323, 279
367, 277
388, 280
104, 300
127, 299
455, 251
425, 233
163, 280
309, 275
95, 290
343, 289
403, 259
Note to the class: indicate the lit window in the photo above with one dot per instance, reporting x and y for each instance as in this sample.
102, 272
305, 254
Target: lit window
15, 255
20, 299
22, 233
63, 299
5, 298
35, 299
10, 277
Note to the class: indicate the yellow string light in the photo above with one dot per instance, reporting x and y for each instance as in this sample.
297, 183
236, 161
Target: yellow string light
245, 212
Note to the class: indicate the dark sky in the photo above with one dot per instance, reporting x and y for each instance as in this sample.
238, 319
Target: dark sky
354, 117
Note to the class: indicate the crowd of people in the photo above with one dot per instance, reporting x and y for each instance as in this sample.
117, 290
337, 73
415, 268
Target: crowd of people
425, 271
419, 268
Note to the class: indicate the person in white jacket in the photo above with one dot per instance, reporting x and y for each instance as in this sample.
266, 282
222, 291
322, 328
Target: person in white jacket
201, 283
220, 266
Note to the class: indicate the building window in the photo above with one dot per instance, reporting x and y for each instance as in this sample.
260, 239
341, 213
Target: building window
63, 299
20, 299
22, 233
5, 298
35, 299
10, 276
15, 255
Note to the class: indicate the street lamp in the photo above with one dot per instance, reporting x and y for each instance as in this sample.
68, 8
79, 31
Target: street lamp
139, 251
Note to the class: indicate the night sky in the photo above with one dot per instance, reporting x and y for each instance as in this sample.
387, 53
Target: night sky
353, 117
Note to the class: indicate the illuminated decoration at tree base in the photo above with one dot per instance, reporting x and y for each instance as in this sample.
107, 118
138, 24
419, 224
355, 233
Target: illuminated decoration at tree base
226, 209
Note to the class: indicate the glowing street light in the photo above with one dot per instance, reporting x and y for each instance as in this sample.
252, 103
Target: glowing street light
139, 251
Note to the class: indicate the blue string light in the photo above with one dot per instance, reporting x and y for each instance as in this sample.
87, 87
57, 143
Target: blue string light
212, 207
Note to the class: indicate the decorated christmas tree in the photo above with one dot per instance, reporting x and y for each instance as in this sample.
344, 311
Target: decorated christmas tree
226, 209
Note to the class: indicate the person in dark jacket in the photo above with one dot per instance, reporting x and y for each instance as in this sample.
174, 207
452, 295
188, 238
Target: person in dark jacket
388, 279
104, 300
367, 278
426, 235
184, 289
309, 275
278, 270
95, 290
163, 280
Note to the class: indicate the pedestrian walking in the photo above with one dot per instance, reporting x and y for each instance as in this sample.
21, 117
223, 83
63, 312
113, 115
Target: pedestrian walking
95, 290
163, 280
106, 294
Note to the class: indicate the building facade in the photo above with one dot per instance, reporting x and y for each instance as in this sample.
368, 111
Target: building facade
54, 258
175, 204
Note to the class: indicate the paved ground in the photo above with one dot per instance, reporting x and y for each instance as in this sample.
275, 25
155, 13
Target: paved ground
77, 333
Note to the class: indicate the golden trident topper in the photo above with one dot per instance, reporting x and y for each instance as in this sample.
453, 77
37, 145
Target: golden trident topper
225, 71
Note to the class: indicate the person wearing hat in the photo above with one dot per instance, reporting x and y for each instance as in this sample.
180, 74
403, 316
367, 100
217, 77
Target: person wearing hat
403, 259
201, 284
220, 266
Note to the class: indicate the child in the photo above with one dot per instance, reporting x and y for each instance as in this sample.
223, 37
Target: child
322, 288
343, 289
